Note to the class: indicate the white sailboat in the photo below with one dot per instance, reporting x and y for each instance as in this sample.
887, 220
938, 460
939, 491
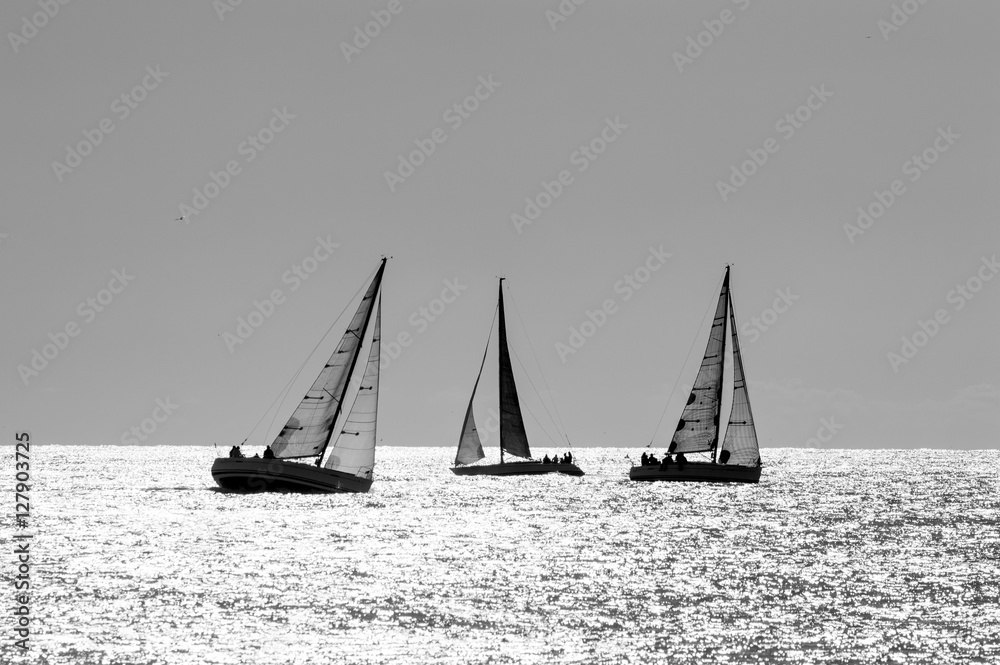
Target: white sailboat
334, 423
738, 458
513, 437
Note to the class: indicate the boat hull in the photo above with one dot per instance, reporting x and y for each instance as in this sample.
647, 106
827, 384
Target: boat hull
516, 469
255, 474
697, 472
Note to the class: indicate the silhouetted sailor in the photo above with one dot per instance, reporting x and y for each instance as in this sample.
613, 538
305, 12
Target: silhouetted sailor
268, 453
645, 459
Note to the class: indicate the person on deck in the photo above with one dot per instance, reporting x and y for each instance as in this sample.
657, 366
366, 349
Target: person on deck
545, 460
569, 458
645, 459
653, 460
268, 453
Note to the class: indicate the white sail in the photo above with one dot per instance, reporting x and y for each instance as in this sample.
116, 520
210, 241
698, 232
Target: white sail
698, 427
353, 440
308, 429
470, 446
740, 444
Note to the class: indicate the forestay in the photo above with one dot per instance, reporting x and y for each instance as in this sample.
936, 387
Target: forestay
470, 446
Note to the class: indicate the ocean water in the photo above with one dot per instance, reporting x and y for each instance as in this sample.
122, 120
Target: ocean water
836, 557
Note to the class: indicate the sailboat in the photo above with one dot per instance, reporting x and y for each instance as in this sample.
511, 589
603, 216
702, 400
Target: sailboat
513, 437
334, 423
738, 458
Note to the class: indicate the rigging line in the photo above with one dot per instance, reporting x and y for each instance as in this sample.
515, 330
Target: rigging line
560, 427
288, 386
711, 304
537, 421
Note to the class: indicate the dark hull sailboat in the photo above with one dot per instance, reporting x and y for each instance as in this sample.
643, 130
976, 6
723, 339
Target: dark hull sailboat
699, 472
526, 468
513, 437
254, 474
738, 458
334, 423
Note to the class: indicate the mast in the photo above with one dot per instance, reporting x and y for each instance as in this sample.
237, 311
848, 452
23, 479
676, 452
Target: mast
722, 367
501, 341
377, 281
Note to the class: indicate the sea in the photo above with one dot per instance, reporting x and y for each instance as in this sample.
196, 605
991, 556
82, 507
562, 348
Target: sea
837, 556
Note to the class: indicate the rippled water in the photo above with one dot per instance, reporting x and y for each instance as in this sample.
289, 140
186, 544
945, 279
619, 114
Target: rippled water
836, 557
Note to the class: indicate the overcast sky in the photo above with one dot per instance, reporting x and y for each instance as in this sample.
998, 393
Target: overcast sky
285, 136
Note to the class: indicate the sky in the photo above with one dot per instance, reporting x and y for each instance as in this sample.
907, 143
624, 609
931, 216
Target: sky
604, 157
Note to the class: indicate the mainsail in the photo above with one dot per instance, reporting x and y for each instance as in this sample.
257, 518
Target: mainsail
354, 440
308, 430
740, 444
698, 427
513, 438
